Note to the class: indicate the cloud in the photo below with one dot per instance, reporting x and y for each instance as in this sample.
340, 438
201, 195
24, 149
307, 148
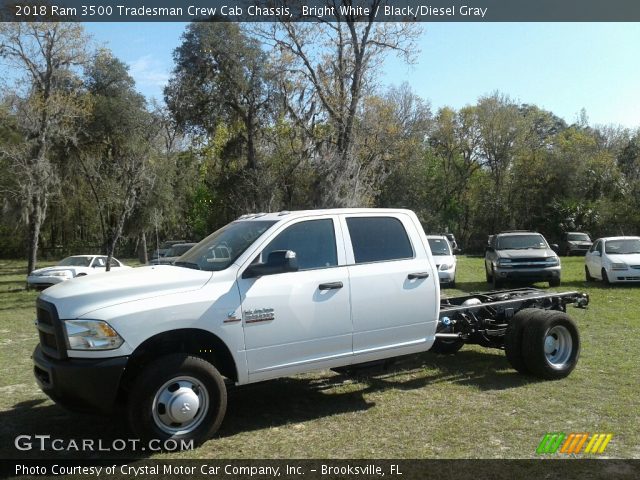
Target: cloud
150, 75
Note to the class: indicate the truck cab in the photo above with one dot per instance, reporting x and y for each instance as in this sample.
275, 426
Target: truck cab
266, 296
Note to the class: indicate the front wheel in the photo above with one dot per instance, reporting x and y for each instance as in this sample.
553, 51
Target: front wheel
551, 345
178, 397
605, 277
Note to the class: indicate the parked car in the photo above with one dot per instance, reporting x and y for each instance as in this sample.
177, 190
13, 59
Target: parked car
445, 259
521, 256
164, 247
70, 267
172, 254
613, 260
575, 243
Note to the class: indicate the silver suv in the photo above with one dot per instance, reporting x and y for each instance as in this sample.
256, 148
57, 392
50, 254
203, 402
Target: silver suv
521, 256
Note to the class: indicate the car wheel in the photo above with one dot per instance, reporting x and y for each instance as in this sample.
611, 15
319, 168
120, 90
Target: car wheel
452, 283
554, 282
178, 397
497, 283
605, 277
489, 277
551, 345
587, 275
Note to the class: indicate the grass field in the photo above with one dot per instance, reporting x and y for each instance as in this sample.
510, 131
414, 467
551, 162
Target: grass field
470, 405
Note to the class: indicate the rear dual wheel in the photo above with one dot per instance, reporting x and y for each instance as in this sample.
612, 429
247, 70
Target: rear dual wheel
544, 343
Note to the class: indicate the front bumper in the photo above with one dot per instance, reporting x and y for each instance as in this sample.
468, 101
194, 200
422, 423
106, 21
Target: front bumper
528, 274
44, 281
447, 276
87, 385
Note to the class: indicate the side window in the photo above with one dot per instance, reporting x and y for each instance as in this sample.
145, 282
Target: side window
376, 239
114, 263
599, 247
314, 242
99, 262
593, 246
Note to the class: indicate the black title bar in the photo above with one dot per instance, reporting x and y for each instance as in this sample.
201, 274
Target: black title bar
322, 10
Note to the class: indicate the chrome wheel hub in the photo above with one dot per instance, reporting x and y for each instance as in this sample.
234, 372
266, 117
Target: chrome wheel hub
179, 406
558, 345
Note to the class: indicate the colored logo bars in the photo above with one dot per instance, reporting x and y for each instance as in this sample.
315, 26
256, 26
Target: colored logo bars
574, 442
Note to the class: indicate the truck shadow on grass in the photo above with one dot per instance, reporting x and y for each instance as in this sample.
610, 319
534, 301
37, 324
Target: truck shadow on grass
281, 402
295, 400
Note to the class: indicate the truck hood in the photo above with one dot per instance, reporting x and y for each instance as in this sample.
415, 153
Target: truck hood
528, 253
79, 296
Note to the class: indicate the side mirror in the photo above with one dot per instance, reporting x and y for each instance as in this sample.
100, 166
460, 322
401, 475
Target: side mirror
457, 250
555, 247
279, 261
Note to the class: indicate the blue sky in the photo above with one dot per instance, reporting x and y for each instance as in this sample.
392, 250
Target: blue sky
562, 67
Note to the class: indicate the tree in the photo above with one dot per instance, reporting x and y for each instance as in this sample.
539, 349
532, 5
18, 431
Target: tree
324, 71
47, 103
117, 147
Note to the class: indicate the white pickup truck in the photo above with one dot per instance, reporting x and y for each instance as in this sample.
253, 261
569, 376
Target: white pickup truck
271, 295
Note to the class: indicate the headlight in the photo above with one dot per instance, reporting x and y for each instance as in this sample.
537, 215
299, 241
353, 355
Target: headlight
553, 261
62, 273
91, 335
446, 266
504, 262
619, 266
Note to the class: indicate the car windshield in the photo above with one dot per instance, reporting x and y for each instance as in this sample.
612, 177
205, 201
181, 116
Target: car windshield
224, 246
439, 246
578, 237
623, 247
178, 250
521, 242
75, 262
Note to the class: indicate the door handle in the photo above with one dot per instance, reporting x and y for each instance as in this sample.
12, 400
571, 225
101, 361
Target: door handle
413, 276
331, 286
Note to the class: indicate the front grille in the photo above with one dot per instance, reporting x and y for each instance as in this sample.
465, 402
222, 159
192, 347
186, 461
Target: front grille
50, 330
528, 263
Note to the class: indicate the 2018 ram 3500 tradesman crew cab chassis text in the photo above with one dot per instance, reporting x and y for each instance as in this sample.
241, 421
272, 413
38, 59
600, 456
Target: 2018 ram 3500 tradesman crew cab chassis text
271, 295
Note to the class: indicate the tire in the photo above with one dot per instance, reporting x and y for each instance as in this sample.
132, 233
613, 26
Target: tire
446, 347
488, 275
497, 283
554, 282
551, 345
452, 284
587, 275
605, 277
196, 380
514, 334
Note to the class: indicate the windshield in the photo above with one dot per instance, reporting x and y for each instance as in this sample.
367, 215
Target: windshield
75, 262
224, 246
521, 242
623, 247
439, 246
178, 250
578, 237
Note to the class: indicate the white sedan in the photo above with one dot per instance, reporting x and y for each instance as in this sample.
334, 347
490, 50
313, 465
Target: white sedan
613, 259
445, 259
70, 267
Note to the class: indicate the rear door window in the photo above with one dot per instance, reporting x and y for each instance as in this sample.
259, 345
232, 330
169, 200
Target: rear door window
377, 239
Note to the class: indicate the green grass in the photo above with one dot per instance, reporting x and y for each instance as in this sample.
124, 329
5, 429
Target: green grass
470, 405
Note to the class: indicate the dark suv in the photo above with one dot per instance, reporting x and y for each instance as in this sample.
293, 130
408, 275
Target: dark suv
520, 256
575, 243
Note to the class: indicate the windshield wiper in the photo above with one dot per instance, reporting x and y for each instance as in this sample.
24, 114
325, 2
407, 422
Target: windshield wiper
193, 266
